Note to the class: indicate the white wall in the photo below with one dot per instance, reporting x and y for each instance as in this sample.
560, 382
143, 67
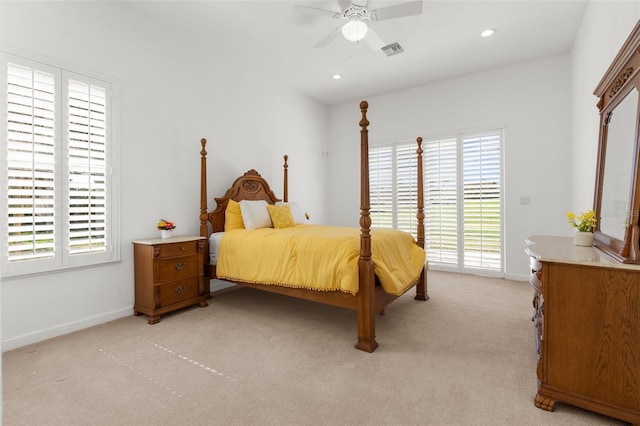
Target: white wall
531, 99
174, 90
604, 29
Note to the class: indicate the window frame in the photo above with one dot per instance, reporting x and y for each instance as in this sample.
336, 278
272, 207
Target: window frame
63, 259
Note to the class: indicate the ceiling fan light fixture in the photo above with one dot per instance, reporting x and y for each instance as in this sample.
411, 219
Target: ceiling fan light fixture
354, 30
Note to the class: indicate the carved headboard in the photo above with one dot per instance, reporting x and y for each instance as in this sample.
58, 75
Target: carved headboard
250, 186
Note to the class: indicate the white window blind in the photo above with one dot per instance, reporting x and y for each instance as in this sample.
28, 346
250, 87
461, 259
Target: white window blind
31, 163
441, 200
482, 202
393, 186
463, 197
463, 203
59, 211
381, 186
87, 119
407, 187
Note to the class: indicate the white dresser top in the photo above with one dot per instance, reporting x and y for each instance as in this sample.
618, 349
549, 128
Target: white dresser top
562, 250
177, 239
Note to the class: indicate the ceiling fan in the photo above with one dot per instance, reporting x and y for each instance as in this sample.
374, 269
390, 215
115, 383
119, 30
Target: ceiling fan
356, 14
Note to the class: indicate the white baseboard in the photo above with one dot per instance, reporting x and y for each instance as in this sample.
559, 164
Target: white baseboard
39, 336
517, 277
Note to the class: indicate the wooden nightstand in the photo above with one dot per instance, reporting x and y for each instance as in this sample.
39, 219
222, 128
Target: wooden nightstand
169, 275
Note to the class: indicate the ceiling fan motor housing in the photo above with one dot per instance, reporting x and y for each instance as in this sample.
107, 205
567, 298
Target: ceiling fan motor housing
355, 12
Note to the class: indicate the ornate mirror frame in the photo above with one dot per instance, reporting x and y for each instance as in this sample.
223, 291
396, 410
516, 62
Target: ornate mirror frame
618, 93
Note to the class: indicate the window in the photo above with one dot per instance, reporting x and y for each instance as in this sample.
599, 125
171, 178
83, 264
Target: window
58, 151
463, 197
393, 188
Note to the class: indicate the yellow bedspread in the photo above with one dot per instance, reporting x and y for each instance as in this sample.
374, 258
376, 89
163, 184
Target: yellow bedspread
317, 257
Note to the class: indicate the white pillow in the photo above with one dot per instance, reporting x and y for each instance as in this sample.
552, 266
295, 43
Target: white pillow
297, 212
255, 214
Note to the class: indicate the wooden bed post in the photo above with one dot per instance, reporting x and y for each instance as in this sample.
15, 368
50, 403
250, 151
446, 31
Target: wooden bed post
285, 190
204, 226
366, 293
421, 287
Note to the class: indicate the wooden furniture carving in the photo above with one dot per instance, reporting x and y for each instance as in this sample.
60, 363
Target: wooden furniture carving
617, 189
586, 312
169, 275
370, 298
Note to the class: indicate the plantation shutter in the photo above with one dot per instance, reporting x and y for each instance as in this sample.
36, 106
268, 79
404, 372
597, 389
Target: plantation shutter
482, 202
381, 186
31, 163
441, 201
463, 197
407, 188
87, 166
57, 159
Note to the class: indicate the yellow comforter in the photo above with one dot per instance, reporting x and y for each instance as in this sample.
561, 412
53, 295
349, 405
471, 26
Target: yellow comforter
317, 257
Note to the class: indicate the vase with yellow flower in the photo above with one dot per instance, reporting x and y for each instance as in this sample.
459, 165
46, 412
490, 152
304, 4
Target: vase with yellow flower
584, 223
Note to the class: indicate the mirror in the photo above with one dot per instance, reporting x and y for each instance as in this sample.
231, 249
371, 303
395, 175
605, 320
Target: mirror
616, 181
617, 189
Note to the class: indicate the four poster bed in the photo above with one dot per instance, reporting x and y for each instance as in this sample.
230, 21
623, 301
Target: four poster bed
400, 262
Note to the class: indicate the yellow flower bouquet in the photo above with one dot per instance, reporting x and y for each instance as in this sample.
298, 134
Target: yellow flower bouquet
166, 225
584, 222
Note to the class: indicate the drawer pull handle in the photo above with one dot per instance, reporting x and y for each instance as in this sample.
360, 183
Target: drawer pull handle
180, 289
182, 248
180, 265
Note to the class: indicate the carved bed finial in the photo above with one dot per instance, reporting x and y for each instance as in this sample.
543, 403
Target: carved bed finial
251, 172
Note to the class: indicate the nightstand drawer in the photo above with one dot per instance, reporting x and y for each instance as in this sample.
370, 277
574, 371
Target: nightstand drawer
177, 291
176, 268
177, 249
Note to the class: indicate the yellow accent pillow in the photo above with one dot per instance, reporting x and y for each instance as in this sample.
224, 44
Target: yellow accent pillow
233, 216
281, 216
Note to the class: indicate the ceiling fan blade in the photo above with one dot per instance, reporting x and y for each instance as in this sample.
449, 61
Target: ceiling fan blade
328, 38
344, 4
397, 11
306, 10
373, 40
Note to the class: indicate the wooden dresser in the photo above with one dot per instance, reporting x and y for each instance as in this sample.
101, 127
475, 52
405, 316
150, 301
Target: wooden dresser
586, 312
169, 275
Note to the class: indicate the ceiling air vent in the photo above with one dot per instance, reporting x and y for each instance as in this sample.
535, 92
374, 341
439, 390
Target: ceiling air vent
392, 49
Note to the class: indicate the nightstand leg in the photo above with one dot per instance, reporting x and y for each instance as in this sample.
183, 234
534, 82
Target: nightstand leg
154, 319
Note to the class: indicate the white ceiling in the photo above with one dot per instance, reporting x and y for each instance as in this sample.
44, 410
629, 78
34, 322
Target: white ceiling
441, 43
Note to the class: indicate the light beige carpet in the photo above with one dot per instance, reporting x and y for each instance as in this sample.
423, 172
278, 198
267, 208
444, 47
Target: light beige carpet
464, 357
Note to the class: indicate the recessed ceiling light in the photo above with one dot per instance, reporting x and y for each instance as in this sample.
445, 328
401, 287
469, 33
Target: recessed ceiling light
336, 76
488, 32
